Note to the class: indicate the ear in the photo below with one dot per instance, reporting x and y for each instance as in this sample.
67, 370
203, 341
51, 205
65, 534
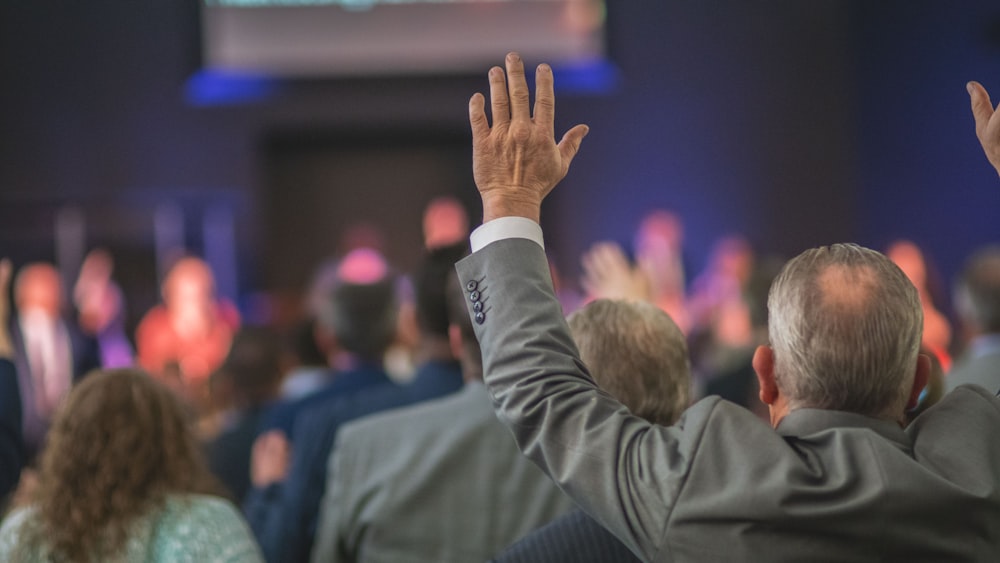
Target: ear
455, 340
920, 377
763, 364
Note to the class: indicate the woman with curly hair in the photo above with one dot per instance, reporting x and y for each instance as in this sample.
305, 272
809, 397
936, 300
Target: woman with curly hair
122, 479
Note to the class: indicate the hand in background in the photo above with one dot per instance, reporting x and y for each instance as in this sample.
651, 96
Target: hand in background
987, 122
517, 162
270, 459
608, 274
6, 348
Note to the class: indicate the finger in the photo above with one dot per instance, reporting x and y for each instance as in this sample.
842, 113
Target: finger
545, 99
518, 87
498, 97
982, 108
570, 143
5, 270
477, 116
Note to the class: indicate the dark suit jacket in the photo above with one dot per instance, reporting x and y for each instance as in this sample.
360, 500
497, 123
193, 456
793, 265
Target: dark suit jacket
11, 448
284, 517
573, 538
721, 485
85, 355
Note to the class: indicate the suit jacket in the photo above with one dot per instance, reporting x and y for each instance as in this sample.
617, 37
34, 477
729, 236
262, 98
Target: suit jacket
721, 485
438, 482
284, 517
979, 366
573, 538
85, 356
11, 448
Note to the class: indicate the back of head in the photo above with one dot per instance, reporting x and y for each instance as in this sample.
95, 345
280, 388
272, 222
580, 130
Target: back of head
252, 366
118, 447
360, 310
977, 294
636, 353
430, 281
845, 325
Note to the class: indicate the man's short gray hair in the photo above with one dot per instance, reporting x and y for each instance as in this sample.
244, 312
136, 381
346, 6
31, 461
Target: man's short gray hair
977, 294
845, 325
637, 354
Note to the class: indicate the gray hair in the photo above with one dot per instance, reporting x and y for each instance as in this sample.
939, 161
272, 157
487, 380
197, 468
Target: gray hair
845, 326
637, 354
977, 293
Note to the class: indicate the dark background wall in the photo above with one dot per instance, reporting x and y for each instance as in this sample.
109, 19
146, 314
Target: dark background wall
796, 123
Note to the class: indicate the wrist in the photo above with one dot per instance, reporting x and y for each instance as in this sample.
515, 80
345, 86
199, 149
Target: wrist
495, 207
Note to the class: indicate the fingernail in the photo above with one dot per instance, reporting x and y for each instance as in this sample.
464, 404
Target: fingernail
969, 88
514, 57
586, 129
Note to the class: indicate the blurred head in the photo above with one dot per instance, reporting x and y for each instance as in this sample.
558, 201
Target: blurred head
659, 232
636, 353
252, 367
977, 293
118, 447
431, 280
189, 283
445, 223
910, 259
845, 327
38, 288
360, 309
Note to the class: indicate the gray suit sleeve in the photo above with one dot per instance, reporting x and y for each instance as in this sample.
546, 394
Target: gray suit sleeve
339, 508
623, 471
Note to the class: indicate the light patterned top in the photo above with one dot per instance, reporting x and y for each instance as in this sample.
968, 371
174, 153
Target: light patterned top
189, 528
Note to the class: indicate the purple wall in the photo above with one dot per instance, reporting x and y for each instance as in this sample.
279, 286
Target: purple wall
796, 123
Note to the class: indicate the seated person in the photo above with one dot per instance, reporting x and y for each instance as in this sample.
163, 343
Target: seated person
122, 479
638, 355
441, 481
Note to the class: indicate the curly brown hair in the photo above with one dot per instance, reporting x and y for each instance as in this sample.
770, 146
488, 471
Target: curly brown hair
118, 447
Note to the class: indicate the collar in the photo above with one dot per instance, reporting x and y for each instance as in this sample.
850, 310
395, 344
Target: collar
805, 422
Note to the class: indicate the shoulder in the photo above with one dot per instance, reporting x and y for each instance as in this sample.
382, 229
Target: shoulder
11, 529
401, 424
203, 528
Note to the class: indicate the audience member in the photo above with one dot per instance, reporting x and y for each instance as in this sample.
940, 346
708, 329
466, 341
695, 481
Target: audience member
977, 301
937, 330
122, 479
245, 384
835, 477
441, 481
186, 338
11, 445
357, 322
291, 520
51, 353
659, 253
638, 356
100, 309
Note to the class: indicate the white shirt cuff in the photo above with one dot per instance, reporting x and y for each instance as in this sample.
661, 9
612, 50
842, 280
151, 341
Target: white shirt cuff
504, 228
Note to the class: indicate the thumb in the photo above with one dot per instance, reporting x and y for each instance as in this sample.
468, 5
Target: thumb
570, 143
982, 108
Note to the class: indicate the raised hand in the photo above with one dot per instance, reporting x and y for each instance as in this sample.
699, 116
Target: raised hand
609, 275
270, 459
987, 122
6, 348
517, 161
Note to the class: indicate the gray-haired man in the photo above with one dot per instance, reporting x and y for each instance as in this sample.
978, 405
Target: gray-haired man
836, 479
